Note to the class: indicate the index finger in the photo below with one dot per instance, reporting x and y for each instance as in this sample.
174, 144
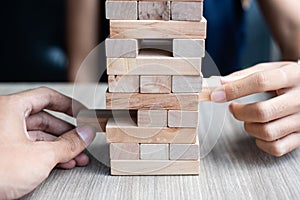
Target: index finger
34, 100
262, 81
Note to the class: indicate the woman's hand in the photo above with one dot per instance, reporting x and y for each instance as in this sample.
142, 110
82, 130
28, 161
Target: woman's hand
275, 123
33, 142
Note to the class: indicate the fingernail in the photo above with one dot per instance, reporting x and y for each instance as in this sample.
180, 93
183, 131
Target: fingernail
218, 95
87, 134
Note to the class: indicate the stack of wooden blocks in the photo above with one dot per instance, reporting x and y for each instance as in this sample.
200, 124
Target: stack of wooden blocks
154, 57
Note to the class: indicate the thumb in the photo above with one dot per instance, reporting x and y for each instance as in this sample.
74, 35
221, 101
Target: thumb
72, 143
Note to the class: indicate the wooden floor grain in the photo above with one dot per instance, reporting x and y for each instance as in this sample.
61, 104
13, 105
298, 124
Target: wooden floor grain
234, 169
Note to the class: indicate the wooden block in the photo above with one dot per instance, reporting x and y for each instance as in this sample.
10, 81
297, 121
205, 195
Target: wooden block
98, 118
126, 131
123, 83
124, 151
155, 84
181, 118
152, 118
187, 11
154, 10
160, 0
154, 63
125, 10
186, 84
136, 101
188, 48
185, 151
154, 151
154, 167
152, 29
121, 48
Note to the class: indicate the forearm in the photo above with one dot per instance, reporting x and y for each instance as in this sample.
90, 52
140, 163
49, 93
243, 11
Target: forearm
283, 18
82, 32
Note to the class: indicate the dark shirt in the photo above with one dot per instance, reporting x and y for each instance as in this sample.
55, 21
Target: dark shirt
225, 33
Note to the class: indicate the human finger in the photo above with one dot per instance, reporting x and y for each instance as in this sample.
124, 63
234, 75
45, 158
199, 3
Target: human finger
69, 145
274, 130
81, 160
251, 70
43, 121
40, 136
272, 80
266, 111
67, 165
35, 100
282, 146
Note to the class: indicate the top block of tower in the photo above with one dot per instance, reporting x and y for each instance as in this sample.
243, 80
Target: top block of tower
156, 19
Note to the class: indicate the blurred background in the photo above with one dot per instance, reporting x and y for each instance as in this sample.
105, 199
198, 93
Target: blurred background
34, 47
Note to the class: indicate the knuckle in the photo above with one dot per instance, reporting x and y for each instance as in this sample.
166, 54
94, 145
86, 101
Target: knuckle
277, 149
268, 133
262, 112
260, 80
71, 143
233, 90
43, 122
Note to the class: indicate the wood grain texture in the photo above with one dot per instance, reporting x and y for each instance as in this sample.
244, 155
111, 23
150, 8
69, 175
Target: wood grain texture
157, 29
161, 0
187, 11
182, 118
154, 167
187, 84
98, 118
152, 118
155, 84
154, 151
154, 10
185, 151
121, 48
137, 101
235, 169
127, 84
188, 48
154, 65
125, 10
124, 131
124, 151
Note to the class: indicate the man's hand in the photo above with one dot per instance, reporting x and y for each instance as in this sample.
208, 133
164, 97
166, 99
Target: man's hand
274, 123
33, 142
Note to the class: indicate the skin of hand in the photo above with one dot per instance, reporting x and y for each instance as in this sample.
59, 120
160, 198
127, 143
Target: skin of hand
274, 122
33, 142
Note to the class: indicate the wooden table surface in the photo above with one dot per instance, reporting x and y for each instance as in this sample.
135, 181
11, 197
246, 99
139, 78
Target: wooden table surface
234, 169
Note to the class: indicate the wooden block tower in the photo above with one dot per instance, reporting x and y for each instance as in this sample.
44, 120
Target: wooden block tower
154, 56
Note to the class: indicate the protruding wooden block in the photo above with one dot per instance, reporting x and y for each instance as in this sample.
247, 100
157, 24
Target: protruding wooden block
187, 11
124, 10
180, 118
154, 151
154, 10
185, 151
126, 131
125, 84
152, 29
155, 167
121, 48
152, 118
189, 48
137, 101
187, 84
124, 151
155, 84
